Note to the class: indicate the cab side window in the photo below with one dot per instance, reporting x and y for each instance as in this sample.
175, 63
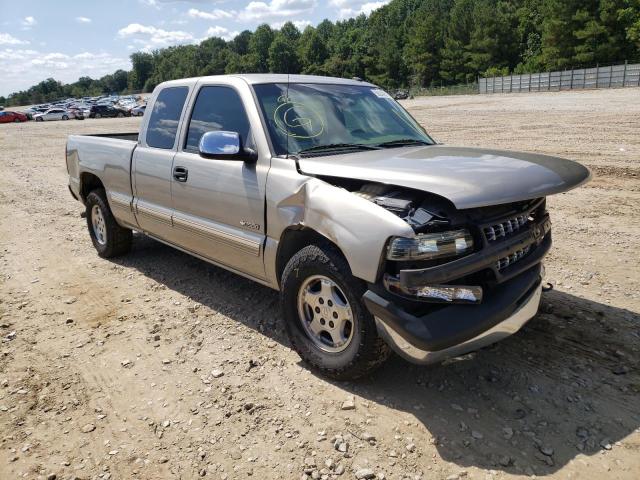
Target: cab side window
217, 108
163, 124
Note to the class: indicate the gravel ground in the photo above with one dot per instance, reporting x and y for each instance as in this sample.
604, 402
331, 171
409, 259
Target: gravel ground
158, 365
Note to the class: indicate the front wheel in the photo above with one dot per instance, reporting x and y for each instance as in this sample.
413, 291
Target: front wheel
64, 117
98, 115
120, 114
327, 323
109, 238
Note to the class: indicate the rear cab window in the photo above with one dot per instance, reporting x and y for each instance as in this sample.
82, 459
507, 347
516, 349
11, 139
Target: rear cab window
165, 117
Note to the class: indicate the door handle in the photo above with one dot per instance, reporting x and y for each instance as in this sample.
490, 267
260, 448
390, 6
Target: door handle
180, 174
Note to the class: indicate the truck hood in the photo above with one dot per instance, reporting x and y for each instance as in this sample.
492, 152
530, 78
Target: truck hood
468, 177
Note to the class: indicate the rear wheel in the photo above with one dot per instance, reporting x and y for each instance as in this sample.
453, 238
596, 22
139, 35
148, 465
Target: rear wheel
39, 119
109, 238
120, 114
64, 117
98, 115
327, 323
17, 120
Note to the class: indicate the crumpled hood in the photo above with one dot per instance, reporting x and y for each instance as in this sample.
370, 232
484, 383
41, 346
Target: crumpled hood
468, 177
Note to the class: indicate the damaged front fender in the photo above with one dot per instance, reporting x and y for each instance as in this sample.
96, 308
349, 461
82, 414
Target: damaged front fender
359, 227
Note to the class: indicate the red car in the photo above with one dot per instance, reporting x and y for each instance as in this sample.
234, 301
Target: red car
7, 117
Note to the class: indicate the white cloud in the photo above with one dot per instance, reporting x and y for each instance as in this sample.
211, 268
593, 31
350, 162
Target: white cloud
276, 9
221, 32
300, 24
152, 37
28, 22
157, 3
353, 8
216, 14
6, 39
23, 68
83, 20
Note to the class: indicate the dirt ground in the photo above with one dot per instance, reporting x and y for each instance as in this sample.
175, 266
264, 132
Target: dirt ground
106, 366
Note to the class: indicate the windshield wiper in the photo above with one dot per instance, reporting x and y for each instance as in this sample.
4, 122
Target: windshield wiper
402, 143
338, 146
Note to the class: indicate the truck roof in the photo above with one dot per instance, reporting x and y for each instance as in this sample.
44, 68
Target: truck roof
258, 78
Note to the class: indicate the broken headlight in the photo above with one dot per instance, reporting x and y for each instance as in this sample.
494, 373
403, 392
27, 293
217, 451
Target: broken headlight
429, 246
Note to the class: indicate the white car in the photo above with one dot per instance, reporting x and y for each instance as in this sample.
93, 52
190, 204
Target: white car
138, 111
53, 114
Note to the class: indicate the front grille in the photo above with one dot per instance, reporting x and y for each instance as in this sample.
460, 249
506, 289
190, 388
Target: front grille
505, 228
513, 258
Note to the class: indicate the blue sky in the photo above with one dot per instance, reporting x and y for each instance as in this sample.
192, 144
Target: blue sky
67, 39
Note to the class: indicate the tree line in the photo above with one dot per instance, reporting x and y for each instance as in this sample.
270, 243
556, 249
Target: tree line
407, 43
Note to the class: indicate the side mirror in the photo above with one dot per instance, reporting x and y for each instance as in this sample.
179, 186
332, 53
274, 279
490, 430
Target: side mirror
223, 145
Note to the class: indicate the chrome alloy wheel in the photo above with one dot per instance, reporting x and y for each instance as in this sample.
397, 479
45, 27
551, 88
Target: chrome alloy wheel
99, 225
325, 314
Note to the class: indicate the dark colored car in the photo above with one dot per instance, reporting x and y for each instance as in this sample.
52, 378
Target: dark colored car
8, 117
99, 111
401, 95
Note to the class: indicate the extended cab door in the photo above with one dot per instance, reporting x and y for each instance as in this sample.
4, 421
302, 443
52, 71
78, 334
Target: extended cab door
219, 204
152, 159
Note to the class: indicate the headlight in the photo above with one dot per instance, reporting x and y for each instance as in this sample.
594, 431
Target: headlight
430, 246
436, 293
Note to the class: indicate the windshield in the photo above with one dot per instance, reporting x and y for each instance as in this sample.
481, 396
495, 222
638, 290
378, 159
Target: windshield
302, 117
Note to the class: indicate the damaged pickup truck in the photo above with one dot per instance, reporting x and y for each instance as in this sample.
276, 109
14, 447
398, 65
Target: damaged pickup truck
327, 190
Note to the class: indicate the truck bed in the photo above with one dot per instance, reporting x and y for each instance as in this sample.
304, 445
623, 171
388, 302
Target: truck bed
108, 157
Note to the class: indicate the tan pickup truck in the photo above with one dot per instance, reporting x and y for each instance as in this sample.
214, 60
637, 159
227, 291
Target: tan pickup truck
327, 190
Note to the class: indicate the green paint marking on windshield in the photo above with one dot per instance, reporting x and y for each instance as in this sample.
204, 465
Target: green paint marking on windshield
297, 120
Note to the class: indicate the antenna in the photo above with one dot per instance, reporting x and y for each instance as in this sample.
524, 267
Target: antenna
287, 100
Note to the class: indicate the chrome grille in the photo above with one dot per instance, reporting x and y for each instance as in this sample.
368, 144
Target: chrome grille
505, 228
513, 258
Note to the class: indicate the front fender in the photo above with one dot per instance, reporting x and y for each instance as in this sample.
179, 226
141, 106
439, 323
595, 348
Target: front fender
357, 226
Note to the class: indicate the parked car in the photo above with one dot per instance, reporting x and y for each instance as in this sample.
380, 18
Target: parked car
32, 111
401, 94
53, 114
29, 113
327, 190
138, 111
76, 113
98, 111
8, 117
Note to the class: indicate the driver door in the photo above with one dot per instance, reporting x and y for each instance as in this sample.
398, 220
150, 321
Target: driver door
219, 204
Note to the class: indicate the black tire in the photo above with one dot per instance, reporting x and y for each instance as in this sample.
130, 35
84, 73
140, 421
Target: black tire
366, 350
98, 115
64, 117
39, 119
17, 120
118, 239
120, 114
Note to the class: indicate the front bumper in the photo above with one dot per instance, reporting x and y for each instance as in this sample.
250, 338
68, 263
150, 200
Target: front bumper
458, 329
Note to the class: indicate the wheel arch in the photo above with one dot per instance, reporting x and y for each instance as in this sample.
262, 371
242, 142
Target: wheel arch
294, 239
89, 182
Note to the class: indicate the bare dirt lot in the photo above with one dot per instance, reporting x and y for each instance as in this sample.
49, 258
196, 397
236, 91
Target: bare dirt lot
106, 366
